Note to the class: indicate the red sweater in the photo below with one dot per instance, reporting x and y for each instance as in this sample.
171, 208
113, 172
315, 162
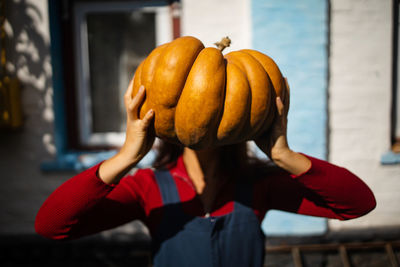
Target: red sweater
85, 205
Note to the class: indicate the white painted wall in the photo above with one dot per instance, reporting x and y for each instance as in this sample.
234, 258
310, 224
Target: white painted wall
210, 20
360, 100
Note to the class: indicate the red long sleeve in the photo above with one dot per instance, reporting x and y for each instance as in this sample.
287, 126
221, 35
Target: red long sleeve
325, 190
85, 204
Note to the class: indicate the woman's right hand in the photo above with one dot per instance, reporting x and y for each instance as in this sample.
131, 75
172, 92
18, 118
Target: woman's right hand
138, 141
139, 137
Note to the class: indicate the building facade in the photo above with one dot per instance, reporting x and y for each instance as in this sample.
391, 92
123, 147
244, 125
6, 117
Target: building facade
339, 57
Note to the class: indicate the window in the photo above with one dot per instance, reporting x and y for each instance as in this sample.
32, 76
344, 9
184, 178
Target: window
95, 49
111, 39
393, 156
396, 84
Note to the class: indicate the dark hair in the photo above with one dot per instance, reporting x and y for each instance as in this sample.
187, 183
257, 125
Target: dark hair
167, 154
235, 158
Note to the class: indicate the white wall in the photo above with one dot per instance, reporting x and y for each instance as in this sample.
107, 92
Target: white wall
360, 100
210, 20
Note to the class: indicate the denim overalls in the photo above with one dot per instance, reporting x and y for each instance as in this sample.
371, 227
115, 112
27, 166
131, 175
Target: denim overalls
234, 239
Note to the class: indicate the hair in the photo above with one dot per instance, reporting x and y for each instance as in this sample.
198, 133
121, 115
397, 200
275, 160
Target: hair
235, 159
167, 154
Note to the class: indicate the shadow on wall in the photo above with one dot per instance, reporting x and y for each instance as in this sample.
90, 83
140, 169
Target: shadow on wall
28, 58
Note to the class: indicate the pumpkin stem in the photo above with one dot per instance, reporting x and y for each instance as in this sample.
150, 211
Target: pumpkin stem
224, 43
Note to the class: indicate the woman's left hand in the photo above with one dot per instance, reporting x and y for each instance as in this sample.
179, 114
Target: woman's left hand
274, 141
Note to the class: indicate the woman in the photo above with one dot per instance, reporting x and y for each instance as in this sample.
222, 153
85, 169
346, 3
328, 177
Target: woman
203, 208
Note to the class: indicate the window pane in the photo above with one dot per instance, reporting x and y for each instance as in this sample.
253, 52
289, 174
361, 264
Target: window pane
117, 42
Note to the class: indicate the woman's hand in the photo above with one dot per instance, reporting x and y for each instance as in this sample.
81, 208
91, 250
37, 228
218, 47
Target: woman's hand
274, 142
138, 141
139, 135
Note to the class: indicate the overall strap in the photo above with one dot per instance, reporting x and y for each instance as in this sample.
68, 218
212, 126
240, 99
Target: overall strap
166, 184
244, 196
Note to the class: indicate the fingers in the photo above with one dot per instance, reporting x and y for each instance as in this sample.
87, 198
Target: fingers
133, 104
279, 105
287, 95
147, 119
128, 93
287, 85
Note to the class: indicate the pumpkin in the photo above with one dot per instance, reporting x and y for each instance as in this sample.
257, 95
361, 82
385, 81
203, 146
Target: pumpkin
202, 98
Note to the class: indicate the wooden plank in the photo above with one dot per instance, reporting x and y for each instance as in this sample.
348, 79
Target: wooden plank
296, 257
391, 255
344, 256
334, 246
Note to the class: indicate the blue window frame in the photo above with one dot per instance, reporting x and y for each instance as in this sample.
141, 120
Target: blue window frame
89, 113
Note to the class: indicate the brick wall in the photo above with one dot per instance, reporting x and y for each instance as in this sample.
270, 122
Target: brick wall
211, 20
360, 100
23, 187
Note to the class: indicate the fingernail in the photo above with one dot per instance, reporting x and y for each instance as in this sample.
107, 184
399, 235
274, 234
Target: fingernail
141, 88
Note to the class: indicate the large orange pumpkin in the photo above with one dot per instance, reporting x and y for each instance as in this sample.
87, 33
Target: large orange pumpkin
202, 98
